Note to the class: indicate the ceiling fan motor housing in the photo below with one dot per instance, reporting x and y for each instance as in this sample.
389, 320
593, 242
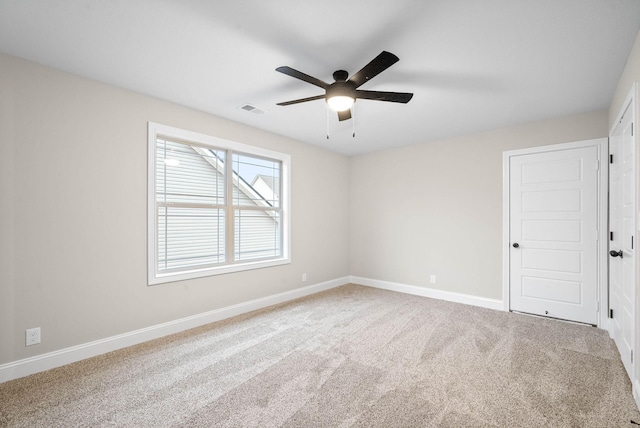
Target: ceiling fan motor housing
342, 89
340, 75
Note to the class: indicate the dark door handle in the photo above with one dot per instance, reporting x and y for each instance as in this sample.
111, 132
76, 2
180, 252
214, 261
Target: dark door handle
516, 245
615, 253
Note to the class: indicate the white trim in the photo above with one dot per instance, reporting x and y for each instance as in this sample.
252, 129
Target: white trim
631, 101
50, 360
161, 278
603, 181
506, 221
449, 296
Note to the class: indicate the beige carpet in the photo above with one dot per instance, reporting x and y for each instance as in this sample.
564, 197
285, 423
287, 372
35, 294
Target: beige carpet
352, 356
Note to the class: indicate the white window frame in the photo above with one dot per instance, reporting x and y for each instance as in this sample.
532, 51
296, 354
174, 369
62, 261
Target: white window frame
155, 131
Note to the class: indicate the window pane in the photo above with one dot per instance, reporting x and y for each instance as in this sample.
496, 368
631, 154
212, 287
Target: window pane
190, 237
257, 234
188, 174
256, 181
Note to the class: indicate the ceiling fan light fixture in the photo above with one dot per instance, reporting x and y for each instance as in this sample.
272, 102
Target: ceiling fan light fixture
340, 102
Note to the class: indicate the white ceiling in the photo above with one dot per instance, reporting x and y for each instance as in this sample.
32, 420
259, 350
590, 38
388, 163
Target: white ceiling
473, 65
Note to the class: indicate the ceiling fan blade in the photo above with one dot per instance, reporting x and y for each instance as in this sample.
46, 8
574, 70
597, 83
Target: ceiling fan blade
394, 97
375, 67
301, 100
304, 77
344, 115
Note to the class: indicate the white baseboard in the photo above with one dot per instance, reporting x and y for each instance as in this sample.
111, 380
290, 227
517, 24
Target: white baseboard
430, 292
50, 360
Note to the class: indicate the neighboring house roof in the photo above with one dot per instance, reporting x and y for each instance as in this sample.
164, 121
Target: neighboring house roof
272, 182
267, 186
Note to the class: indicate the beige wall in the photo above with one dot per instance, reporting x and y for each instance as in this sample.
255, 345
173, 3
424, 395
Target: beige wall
630, 75
436, 208
73, 213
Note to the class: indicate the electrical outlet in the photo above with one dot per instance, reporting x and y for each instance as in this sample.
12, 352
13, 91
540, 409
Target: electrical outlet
432, 279
304, 277
32, 336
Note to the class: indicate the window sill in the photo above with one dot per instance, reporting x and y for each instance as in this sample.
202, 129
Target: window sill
212, 271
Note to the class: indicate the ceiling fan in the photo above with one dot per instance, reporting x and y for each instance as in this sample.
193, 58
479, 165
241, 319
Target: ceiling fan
341, 94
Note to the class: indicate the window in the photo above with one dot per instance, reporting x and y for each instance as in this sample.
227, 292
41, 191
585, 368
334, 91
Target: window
215, 206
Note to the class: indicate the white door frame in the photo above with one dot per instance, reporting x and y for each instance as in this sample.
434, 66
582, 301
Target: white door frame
632, 101
603, 179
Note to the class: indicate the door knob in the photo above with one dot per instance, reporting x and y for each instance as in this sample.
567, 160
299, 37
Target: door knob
516, 245
615, 253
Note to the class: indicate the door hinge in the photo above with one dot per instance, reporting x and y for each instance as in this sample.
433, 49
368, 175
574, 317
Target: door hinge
597, 165
610, 236
610, 158
632, 242
632, 129
611, 313
632, 356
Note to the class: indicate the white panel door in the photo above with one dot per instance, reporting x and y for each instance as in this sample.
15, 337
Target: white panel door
622, 226
553, 234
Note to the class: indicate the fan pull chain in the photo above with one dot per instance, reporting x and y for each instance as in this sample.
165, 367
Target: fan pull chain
353, 119
327, 121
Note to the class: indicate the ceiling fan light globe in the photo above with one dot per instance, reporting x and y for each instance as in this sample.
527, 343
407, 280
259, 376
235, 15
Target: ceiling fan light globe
340, 102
